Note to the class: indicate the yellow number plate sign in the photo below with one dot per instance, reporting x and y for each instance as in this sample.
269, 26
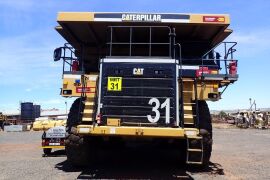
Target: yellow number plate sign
114, 84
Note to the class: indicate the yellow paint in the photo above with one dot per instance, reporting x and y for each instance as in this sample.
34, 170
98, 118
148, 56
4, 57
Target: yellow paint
214, 72
65, 82
113, 122
53, 147
215, 86
133, 131
75, 16
69, 84
221, 19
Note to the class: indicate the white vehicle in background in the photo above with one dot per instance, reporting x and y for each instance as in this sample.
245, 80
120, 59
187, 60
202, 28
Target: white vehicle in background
54, 138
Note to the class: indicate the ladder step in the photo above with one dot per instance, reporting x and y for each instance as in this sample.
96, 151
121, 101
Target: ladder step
189, 103
90, 99
87, 103
187, 80
194, 137
86, 119
188, 108
187, 91
194, 150
189, 116
193, 162
188, 123
88, 111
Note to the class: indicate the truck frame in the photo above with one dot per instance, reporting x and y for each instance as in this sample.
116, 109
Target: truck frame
143, 76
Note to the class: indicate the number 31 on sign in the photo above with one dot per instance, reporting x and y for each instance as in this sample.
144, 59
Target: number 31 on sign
114, 84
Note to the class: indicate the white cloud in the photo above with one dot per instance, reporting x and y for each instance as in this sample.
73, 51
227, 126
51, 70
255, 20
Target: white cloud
50, 101
252, 44
19, 5
28, 89
27, 59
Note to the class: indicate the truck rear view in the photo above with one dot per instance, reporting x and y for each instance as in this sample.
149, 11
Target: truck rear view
145, 77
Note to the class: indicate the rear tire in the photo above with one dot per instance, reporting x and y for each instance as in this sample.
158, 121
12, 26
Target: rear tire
75, 115
47, 151
76, 146
205, 127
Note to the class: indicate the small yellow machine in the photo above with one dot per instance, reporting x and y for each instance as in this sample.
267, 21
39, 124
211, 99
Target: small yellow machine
3, 118
41, 125
143, 76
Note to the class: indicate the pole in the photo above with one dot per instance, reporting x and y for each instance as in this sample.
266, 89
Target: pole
66, 107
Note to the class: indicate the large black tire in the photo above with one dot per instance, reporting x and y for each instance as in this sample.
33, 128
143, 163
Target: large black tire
77, 147
75, 115
205, 126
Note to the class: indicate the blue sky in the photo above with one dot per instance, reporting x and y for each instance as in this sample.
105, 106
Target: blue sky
28, 38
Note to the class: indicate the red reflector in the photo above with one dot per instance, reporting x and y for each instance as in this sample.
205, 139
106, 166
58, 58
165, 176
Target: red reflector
62, 142
233, 68
213, 19
98, 117
46, 142
85, 89
43, 142
75, 66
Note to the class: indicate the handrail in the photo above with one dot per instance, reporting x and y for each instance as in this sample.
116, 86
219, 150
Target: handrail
230, 50
181, 83
67, 55
226, 52
130, 42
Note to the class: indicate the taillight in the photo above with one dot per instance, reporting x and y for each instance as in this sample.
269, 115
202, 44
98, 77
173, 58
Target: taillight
47, 142
43, 142
62, 142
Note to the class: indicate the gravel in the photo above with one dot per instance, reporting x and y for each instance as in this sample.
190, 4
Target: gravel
237, 154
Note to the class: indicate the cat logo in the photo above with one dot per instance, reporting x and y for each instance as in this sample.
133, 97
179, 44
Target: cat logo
138, 71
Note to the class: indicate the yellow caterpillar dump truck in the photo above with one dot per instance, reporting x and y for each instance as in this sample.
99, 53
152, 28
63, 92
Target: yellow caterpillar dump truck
143, 76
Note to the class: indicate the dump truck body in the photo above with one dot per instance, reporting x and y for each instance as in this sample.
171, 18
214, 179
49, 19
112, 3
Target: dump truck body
145, 75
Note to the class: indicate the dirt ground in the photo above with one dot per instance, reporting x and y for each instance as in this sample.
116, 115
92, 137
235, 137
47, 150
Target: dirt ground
237, 154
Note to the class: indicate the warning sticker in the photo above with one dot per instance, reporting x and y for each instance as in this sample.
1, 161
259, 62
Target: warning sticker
114, 84
213, 19
85, 89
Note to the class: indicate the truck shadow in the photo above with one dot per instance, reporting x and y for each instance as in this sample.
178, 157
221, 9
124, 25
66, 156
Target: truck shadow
139, 166
56, 153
